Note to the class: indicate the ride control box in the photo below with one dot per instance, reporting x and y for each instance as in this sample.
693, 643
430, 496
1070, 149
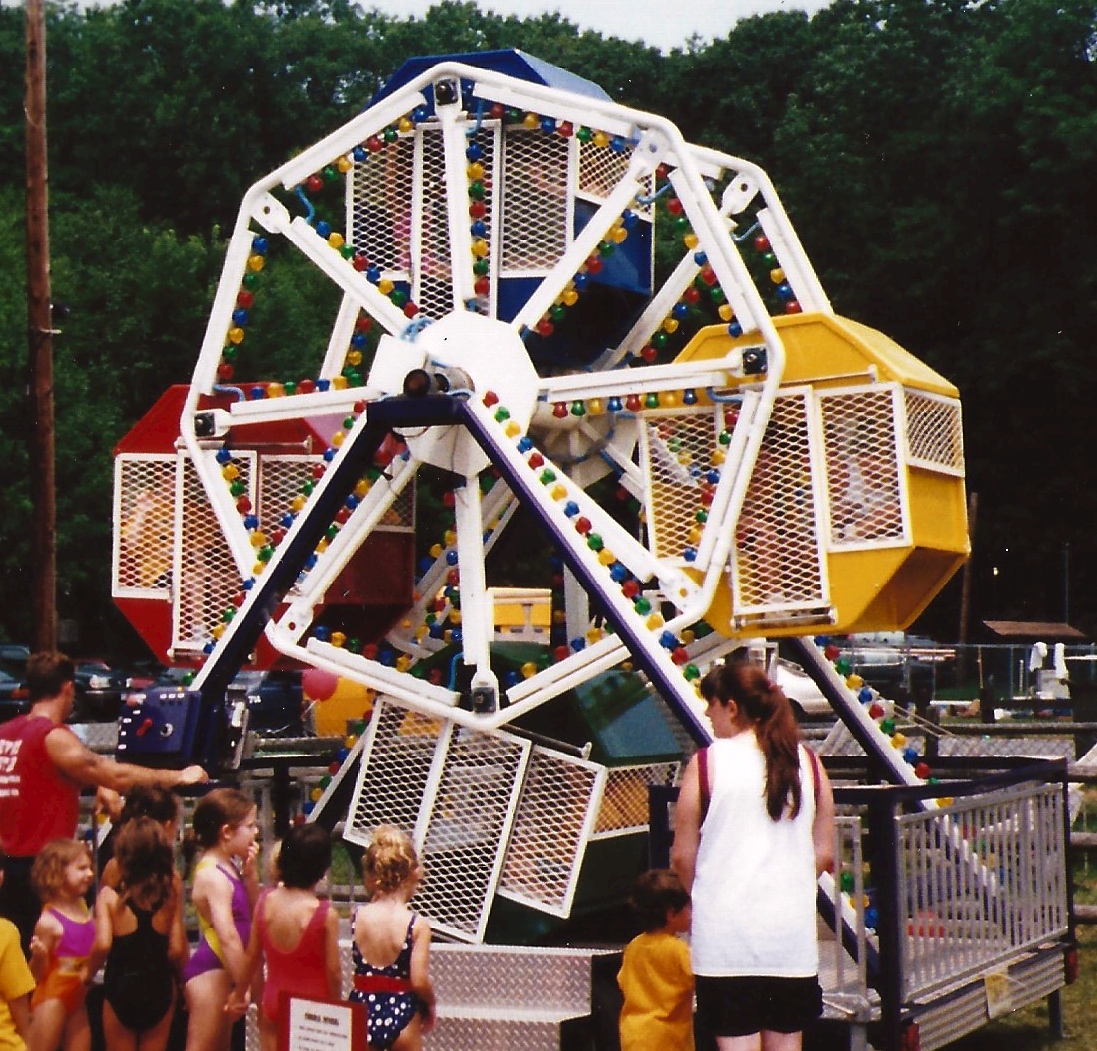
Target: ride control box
169, 726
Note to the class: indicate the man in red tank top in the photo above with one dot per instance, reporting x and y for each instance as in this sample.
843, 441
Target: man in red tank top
43, 767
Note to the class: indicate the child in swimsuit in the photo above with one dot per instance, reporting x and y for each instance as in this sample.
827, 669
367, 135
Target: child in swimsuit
294, 932
391, 946
140, 934
161, 804
60, 947
223, 895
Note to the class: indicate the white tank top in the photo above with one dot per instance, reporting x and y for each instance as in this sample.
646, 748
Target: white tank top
754, 888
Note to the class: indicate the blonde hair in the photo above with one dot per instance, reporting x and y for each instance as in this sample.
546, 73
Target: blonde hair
390, 860
47, 874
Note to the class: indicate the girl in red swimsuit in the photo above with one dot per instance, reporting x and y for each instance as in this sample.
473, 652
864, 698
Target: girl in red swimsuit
294, 932
60, 947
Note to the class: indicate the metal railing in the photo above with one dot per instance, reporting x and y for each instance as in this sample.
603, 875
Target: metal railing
980, 881
967, 887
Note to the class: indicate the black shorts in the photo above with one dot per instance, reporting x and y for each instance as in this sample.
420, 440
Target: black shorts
740, 1006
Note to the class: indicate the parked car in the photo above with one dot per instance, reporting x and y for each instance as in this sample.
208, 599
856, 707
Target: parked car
143, 674
895, 664
13, 651
13, 659
807, 699
99, 691
14, 697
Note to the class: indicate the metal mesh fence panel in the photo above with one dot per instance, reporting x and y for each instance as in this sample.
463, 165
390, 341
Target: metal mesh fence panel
208, 577
468, 820
678, 453
776, 560
548, 842
144, 527
624, 806
392, 778
380, 207
935, 437
1045, 747
280, 480
535, 211
400, 517
456, 793
433, 285
866, 495
601, 168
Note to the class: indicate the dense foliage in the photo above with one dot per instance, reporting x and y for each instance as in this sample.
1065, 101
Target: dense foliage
936, 157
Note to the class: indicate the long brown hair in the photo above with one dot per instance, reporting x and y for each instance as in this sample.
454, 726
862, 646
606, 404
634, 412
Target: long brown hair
775, 727
217, 808
146, 863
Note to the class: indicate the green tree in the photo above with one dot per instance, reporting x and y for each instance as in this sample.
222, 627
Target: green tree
935, 158
14, 482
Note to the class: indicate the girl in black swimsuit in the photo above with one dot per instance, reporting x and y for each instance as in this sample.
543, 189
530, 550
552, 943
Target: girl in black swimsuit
140, 933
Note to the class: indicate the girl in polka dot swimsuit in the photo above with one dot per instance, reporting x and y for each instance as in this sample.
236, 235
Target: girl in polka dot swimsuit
391, 946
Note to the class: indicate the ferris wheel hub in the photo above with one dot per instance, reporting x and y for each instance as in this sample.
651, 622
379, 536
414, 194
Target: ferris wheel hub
460, 354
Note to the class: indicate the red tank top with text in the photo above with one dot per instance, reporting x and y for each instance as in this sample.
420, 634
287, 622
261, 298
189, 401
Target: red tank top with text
37, 802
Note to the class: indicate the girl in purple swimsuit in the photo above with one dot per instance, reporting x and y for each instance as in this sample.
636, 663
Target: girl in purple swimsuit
224, 892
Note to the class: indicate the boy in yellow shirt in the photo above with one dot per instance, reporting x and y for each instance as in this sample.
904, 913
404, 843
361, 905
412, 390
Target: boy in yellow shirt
655, 975
16, 985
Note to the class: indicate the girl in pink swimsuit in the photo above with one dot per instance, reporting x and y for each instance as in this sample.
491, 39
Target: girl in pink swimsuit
62, 942
294, 932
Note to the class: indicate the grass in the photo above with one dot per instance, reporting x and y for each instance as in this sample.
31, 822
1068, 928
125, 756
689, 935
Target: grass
1028, 1029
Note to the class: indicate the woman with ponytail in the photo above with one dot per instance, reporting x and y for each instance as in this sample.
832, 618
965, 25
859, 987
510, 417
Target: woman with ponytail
754, 828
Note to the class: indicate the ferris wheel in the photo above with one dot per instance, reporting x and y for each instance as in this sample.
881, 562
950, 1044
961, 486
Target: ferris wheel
568, 319
540, 290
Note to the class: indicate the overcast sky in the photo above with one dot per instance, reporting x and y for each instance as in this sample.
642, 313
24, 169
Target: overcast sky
663, 25
655, 22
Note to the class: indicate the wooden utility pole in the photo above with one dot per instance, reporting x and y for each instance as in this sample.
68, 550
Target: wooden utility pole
43, 567
962, 662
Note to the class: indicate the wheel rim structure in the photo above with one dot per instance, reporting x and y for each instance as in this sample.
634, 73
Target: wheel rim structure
464, 338
503, 322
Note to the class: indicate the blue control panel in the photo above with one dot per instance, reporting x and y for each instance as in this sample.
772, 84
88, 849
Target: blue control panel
163, 727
